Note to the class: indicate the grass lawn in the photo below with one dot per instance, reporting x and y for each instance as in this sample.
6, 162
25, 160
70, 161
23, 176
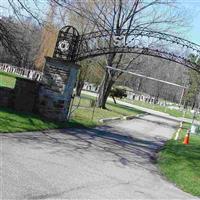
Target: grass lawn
172, 112
7, 80
84, 113
181, 163
11, 121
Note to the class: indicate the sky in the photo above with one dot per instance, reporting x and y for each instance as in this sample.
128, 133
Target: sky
192, 9
194, 34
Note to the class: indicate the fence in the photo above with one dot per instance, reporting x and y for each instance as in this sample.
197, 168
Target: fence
22, 72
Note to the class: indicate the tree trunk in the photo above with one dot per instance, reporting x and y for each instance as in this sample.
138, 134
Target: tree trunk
114, 100
104, 90
79, 87
106, 83
139, 85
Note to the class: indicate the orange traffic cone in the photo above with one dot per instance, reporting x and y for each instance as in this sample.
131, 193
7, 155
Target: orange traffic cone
187, 137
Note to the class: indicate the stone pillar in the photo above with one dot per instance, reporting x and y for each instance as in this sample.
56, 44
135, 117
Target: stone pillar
56, 91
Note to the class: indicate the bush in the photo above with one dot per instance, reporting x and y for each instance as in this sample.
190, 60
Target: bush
117, 92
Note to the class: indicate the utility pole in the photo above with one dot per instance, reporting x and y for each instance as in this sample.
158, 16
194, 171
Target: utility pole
182, 95
147, 77
193, 127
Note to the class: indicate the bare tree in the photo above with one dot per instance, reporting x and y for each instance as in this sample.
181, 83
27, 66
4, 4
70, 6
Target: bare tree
159, 69
19, 42
122, 17
7, 37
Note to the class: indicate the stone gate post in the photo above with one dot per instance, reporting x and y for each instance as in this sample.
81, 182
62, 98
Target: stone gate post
55, 94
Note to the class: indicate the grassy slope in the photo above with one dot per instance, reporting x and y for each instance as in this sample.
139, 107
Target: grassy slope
84, 113
181, 163
11, 121
8, 80
172, 112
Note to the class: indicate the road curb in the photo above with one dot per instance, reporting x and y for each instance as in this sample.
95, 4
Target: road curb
134, 116
109, 119
122, 118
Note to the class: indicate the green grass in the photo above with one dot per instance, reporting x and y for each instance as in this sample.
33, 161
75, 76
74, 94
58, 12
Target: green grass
7, 80
11, 121
172, 112
181, 163
84, 113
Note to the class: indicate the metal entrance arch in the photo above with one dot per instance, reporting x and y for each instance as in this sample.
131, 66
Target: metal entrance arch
73, 47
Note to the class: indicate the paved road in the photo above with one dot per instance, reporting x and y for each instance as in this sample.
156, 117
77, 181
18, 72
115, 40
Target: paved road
147, 110
110, 162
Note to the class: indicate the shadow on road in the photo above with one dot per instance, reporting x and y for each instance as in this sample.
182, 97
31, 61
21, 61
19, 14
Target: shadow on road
105, 141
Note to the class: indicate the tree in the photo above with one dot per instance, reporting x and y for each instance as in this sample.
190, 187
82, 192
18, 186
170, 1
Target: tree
192, 96
118, 93
84, 70
19, 42
82, 25
159, 69
48, 38
121, 17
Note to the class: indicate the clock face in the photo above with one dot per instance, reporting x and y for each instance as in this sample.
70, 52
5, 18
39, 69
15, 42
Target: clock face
63, 46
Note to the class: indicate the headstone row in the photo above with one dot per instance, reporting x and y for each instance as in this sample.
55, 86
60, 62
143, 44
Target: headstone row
90, 87
23, 72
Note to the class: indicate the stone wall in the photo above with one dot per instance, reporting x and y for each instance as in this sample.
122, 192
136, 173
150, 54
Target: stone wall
50, 98
6, 97
25, 95
56, 74
51, 104
22, 98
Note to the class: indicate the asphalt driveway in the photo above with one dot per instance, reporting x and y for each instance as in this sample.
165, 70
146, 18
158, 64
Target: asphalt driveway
116, 161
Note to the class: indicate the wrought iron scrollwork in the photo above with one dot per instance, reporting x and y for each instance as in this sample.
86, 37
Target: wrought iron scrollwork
73, 47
